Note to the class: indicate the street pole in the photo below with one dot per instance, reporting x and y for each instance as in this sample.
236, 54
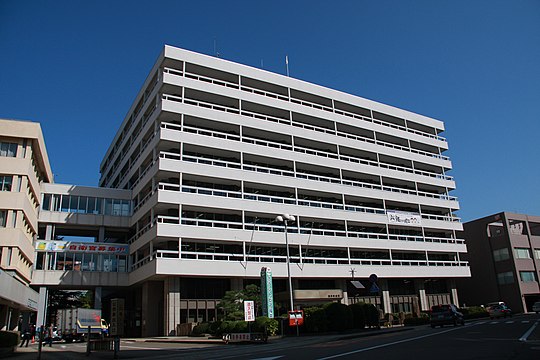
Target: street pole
285, 218
288, 266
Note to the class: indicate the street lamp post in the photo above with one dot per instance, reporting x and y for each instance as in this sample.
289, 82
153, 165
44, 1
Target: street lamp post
284, 219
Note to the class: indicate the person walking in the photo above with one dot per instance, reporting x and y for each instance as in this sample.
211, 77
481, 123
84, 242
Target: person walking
33, 332
49, 338
26, 335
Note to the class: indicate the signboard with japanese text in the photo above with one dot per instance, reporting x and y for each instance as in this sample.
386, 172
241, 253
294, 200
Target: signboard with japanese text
66, 246
267, 293
249, 310
404, 218
117, 317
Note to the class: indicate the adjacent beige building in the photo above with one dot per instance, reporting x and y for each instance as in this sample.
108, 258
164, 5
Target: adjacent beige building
24, 165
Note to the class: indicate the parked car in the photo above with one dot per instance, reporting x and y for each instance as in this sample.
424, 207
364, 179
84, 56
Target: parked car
536, 307
446, 315
497, 311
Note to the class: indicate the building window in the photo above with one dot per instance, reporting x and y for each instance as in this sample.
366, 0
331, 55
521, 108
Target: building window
8, 149
537, 253
505, 278
5, 182
527, 276
501, 254
3, 217
522, 253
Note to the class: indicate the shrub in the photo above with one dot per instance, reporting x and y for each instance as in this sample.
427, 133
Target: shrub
315, 319
224, 327
372, 315
239, 326
338, 316
8, 339
214, 328
474, 312
263, 323
200, 329
359, 316
414, 321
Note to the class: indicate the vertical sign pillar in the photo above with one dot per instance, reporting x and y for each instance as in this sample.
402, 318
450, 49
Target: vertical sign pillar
267, 293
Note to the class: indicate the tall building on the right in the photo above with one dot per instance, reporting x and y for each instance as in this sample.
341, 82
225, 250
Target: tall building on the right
504, 256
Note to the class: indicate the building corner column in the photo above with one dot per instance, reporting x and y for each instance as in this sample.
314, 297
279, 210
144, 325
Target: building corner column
42, 307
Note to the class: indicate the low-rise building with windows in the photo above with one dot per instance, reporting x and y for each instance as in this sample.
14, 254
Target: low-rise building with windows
504, 256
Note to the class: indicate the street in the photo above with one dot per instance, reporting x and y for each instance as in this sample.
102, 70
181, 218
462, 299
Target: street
516, 338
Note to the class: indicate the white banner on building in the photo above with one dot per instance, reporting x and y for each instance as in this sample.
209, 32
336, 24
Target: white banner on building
89, 247
404, 218
249, 310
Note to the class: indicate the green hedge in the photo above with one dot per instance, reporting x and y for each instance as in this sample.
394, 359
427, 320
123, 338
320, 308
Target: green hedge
8, 339
201, 329
218, 328
414, 321
339, 317
474, 312
364, 315
265, 324
315, 320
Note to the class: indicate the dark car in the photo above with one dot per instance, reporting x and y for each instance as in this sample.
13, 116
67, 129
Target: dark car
445, 315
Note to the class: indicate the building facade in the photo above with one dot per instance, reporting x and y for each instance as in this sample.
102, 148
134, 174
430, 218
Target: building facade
209, 154
504, 256
24, 166
213, 150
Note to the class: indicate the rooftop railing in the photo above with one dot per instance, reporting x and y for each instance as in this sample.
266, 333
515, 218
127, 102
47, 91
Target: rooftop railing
301, 102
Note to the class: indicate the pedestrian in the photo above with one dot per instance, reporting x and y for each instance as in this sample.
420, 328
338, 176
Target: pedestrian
26, 335
33, 332
49, 338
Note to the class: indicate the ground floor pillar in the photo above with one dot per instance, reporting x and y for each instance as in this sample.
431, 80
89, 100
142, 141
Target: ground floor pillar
172, 304
42, 307
421, 291
453, 292
342, 285
152, 309
386, 304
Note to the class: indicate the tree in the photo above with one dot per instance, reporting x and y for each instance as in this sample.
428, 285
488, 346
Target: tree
232, 303
65, 299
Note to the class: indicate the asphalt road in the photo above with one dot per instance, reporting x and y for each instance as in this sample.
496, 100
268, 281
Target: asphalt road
516, 338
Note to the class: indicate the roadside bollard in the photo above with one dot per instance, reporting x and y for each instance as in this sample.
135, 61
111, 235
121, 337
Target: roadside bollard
116, 346
88, 341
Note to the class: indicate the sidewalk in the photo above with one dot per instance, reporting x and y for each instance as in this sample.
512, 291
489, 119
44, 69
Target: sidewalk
55, 352
331, 336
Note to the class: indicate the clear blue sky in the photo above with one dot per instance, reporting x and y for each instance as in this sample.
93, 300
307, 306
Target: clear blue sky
76, 66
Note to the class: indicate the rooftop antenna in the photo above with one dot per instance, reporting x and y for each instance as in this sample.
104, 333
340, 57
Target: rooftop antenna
287, 64
216, 53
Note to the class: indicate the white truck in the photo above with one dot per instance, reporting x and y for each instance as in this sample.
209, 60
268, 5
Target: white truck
73, 323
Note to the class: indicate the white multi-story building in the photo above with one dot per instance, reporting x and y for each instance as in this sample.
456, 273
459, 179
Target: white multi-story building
213, 150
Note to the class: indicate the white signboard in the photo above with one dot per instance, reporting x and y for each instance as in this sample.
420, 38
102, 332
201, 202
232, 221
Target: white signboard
404, 218
249, 310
